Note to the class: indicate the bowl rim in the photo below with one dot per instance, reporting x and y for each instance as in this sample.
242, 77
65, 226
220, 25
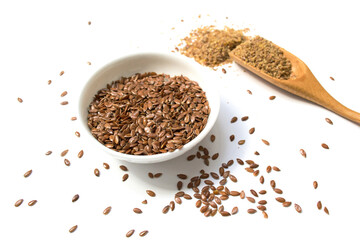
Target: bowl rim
160, 157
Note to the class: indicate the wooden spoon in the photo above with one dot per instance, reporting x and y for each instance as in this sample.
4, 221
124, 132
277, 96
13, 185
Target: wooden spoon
304, 84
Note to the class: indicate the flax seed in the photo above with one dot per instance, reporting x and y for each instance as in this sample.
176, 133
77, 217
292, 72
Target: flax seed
280, 199
215, 156
297, 208
303, 153
328, 120
272, 97
48, 153
81, 154
332, 78
262, 202
262, 192
234, 210
67, 162
20, 100
49, 82
232, 137
63, 94
125, 177
319, 205
325, 146
315, 184
73, 118
212, 138
32, 203
18, 202
265, 214
64, 103
130, 233
178, 200
244, 118
286, 204
157, 175
166, 209
241, 162
28, 173
326, 210
124, 168
241, 142
253, 192
143, 233
233, 120
261, 179
252, 130
96, 172
250, 199
251, 211
172, 205
137, 210
61, 73
107, 210
63, 153
249, 92
73, 228
77, 134
268, 169
151, 193
272, 184
276, 168
278, 191
225, 213
144, 202
75, 198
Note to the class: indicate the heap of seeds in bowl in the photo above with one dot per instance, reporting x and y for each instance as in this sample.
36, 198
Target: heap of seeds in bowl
148, 113
210, 46
265, 56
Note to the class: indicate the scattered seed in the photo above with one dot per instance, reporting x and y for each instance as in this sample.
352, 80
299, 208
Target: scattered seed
61, 73
223, 70
303, 153
178, 200
75, 198
143, 233
32, 202
89, 22
191, 157
20, 100
272, 183
268, 169
232, 137
124, 168
241, 162
272, 97
265, 142
107, 210
67, 162
233, 178
73, 118
251, 211
250, 199
81, 154
96, 172
234, 210
49, 82
172, 205
328, 120
262, 202
261, 208
280, 199
28, 173
261, 179
48, 153
319, 205
106, 165
182, 176
89, 63
179, 185
262, 192
144, 202
278, 190
125, 177
256, 153
130, 233
286, 204
63, 153
252, 130
157, 175
77, 134
249, 92
275, 168
324, 145
315, 184
63, 94
225, 213
332, 78
233, 119
265, 214
137, 210
151, 193
215, 156
244, 118
253, 192
326, 210
73, 228
241, 142
166, 209
297, 208
18, 202
64, 103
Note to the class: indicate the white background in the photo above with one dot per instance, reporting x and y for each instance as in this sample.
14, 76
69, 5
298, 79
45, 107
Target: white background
41, 38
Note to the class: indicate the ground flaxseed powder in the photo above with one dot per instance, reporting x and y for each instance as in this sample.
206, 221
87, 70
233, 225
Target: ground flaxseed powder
265, 56
210, 46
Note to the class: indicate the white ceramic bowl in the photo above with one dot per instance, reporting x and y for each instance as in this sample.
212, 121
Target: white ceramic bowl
148, 62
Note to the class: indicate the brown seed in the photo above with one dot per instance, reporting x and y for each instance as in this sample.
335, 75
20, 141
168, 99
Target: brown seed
18, 202
75, 198
278, 190
251, 211
49, 82
332, 78
32, 202
187, 196
96, 172
143, 233
63, 153
303, 153
249, 92
151, 193
268, 169
280, 199
250, 199
64, 103
241, 142
286, 204
144, 202
73, 228
234, 193
89, 63
182, 176
250, 170
275, 168
106, 165
223, 70
233, 178
28, 173
253, 192
328, 120
225, 213
124, 168
130, 233
67, 162
256, 172
261, 208
262, 192
232, 137
125, 177
137, 210
178, 200
256, 153
319, 205
166, 209
272, 184
48, 153
157, 175
241, 162
107, 210
244, 118
234, 210
77, 134
261, 179
265, 214
265, 142
315, 184
179, 185
61, 73
326, 210
233, 119
191, 157
325, 146
252, 130
262, 202
73, 118
215, 156
81, 154
272, 97
242, 194
212, 138
20, 100
63, 94
297, 208
172, 205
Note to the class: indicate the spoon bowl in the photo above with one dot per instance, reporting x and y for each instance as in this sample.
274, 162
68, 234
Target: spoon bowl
303, 83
